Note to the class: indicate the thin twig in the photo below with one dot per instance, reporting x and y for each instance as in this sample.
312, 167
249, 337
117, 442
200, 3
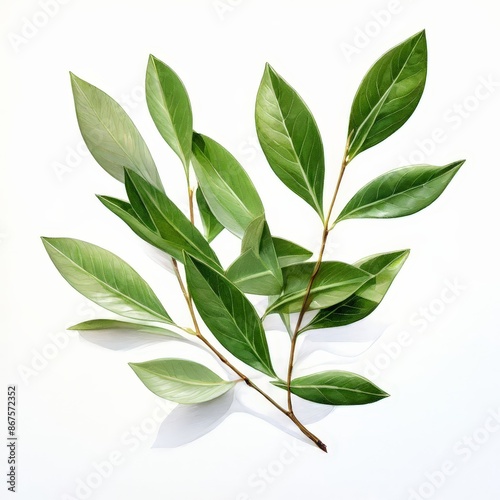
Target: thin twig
306, 301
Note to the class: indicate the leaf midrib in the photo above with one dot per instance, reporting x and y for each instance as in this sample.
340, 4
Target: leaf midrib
395, 195
109, 287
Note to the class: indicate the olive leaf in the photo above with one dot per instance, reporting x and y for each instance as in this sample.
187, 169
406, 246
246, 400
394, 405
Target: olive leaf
105, 279
229, 315
211, 225
126, 326
110, 134
335, 282
388, 94
290, 138
400, 192
159, 214
335, 387
169, 106
384, 268
290, 253
257, 269
180, 380
227, 188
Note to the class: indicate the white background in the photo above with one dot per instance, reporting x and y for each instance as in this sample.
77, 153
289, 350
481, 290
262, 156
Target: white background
82, 405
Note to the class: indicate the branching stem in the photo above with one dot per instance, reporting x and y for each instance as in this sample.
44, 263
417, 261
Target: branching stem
306, 301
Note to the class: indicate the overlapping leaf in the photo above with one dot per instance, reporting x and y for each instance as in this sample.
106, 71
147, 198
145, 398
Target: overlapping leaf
154, 217
180, 380
169, 106
400, 192
384, 268
211, 225
110, 134
105, 279
228, 190
257, 269
229, 315
290, 253
388, 94
335, 282
335, 387
290, 138
125, 326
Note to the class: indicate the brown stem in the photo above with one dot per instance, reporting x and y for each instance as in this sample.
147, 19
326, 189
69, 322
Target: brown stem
191, 210
241, 375
306, 301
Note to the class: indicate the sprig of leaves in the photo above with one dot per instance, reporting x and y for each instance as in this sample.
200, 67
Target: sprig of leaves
340, 293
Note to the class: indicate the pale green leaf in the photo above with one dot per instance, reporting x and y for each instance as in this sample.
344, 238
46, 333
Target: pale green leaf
180, 380
105, 279
110, 134
169, 106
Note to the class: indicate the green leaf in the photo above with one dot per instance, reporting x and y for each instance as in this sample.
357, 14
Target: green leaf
388, 94
257, 269
290, 138
124, 210
161, 216
110, 134
113, 324
229, 315
169, 106
400, 192
335, 282
211, 225
180, 380
105, 279
228, 190
335, 387
384, 268
290, 253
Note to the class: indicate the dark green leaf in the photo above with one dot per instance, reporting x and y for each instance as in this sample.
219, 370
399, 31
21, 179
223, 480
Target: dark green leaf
126, 326
181, 380
228, 190
161, 216
110, 134
384, 268
229, 315
105, 279
257, 269
290, 138
335, 282
290, 253
169, 106
211, 225
335, 388
400, 192
388, 94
